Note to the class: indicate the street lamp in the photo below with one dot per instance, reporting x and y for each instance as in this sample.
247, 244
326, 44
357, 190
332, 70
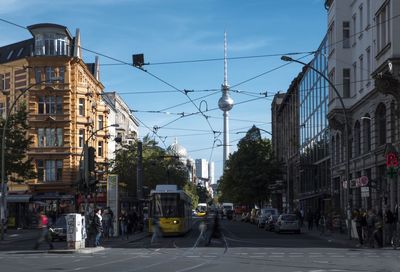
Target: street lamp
3, 202
346, 132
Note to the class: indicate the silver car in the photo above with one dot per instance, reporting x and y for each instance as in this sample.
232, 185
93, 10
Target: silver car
287, 222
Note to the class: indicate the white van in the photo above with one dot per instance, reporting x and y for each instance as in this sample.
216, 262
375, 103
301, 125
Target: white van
226, 207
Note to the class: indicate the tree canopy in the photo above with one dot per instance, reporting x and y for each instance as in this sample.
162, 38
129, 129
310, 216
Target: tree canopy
17, 165
249, 171
159, 167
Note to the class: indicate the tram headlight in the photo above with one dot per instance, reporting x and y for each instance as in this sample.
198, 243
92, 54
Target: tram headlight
176, 221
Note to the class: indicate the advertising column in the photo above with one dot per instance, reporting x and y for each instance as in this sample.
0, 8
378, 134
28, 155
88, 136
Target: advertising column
112, 201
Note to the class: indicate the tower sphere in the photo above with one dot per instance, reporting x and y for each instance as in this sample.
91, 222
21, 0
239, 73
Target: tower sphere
225, 103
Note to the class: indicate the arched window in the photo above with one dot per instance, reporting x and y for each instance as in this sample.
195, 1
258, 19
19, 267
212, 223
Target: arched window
357, 139
366, 123
380, 119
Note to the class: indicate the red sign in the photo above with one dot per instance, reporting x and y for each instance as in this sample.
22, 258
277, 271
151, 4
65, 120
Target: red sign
391, 160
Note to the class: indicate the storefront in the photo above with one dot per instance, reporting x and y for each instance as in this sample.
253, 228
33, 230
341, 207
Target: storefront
19, 209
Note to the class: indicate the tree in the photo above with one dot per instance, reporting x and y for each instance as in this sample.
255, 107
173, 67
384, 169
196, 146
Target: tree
159, 167
204, 195
17, 164
250, 170
191, 190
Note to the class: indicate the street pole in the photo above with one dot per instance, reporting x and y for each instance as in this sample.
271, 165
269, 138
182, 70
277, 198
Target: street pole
347, 137
139, 176
4, 190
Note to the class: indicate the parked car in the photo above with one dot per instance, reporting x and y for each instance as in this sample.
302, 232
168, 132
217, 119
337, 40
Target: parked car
58, 230
262, 216
287, 222
270, 223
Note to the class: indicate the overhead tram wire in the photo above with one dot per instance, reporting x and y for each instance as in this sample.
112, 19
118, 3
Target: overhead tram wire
216, 59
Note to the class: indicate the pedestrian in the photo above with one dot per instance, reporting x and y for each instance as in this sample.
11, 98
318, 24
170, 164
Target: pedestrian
215, 231
98, 226
310, 219
389, 225
358, 220
123, 222
371, 220
111, 222
322, 224
156, 230
105, 221
44, 234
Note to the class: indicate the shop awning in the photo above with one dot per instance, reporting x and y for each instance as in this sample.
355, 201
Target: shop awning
18, 198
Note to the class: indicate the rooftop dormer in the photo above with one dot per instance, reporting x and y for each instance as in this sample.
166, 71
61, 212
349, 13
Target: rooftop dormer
51, 40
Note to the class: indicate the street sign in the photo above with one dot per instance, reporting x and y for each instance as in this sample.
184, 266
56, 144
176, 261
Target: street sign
364, 191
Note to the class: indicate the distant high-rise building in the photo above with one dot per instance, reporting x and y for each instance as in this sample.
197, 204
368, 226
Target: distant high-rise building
211, 169
201, 168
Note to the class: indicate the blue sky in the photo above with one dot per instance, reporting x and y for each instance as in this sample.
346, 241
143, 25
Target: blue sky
180, 30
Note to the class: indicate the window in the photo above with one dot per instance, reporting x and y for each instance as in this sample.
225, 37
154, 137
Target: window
355, 77
357, 139
81, 137
50, 105
380, 124
49, 170
38, 74
367, 133
346, 34
331, 77
20, 51
4, 82
61, 74
2, 109
368, 12
360, 9
368, 64
331, 36
361, 69
51, 44
50, 74
10, 54
354, 28
383, 26
346, 83
50, 137
100, 120
100, 149
81, 106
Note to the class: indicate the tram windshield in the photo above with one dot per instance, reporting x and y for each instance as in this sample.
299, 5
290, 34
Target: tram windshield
166, 205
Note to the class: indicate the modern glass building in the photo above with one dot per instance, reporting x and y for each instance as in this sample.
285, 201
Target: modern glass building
314, 169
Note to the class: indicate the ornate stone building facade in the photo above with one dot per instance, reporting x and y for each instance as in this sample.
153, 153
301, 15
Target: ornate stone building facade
63, 96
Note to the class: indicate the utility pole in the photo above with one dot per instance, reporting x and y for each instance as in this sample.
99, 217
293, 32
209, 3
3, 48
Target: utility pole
139, 176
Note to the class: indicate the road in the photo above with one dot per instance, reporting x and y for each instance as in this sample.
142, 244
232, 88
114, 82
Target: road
243, 247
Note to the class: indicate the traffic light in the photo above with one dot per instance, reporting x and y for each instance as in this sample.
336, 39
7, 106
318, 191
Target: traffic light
91, 158
92, 184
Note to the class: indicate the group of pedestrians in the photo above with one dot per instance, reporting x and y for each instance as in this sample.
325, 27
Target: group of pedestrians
130, 222
371, 224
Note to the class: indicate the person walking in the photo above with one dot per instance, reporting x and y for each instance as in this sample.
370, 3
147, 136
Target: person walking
44, 231
156, 230
310, 219
123, 222
98, 226
358, 220
215, 231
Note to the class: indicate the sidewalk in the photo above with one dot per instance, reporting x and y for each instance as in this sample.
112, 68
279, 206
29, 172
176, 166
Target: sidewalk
15, 236
331, 237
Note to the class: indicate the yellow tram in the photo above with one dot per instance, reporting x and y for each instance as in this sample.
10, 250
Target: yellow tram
172, 208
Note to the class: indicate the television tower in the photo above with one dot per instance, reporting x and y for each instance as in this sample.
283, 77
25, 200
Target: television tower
225, 104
